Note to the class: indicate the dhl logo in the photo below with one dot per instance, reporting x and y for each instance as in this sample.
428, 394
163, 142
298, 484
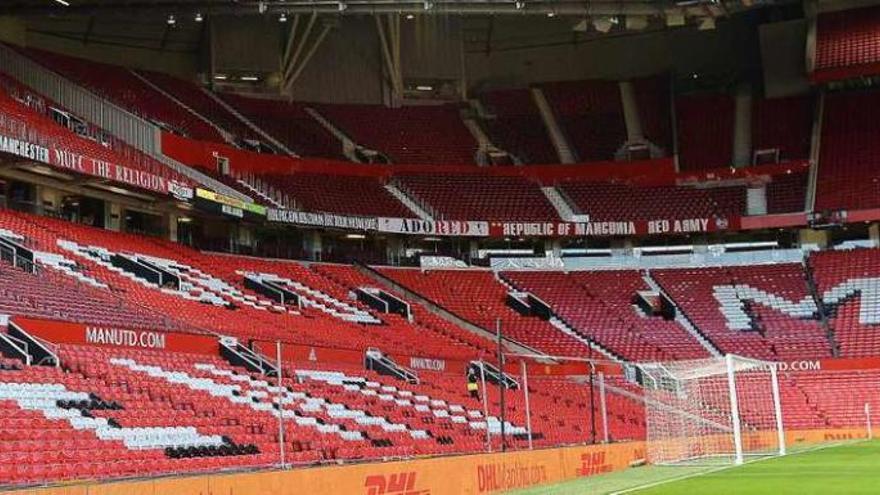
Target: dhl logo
393, 484
593, 463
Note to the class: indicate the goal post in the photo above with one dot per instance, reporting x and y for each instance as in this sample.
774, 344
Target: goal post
712, 411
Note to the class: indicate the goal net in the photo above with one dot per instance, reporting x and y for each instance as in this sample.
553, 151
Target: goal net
712, 411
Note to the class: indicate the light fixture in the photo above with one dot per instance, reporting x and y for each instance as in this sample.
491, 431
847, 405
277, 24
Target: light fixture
355, 236
428, 5
603, 24
342, 6
171, 20
706, 24
250, 78
636, 22
410, 17
220, 77
282, 17
199, 17
519, 5
551, 14
424, 88
261, 7
63, 2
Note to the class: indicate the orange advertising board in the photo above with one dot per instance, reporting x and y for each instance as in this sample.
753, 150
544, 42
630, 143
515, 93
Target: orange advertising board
477, 474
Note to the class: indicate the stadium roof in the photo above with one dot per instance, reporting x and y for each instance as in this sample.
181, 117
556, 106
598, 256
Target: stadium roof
649, 8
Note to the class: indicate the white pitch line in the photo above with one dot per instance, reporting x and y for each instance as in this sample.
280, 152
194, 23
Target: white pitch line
723, 468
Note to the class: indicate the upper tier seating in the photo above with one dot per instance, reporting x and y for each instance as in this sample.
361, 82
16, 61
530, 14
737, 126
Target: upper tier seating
591, 114
705, 131
432, 134
190, 94
465, 197
615, 202
783, 123
652, 98
23, 115
846, 43
849, 282
341, 194
599, 304
289, 123
762, 311
517, 126
119, 85
787, 193
849, 175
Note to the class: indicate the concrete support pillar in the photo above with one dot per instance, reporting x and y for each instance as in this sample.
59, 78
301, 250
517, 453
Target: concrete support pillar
553, 247
113, 217
874, 233
395, 249
631, 114
473, 249
742, 127
312, 245
171, 221
622, 246
818, 238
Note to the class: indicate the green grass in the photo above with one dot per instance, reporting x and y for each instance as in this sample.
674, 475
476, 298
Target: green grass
852, 468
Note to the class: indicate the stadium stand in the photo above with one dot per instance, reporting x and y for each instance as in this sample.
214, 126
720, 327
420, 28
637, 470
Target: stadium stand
421, 134
335, 194
845, 45
25, 116
762, 311
515, 125
785, 124
705, 131
848, 174
466, 197
652, 98
849, 282
288, 122
599, 305
121, 86
193, 96
591, 114
610, 202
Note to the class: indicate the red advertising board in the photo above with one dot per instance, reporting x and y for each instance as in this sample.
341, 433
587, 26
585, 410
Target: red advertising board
61, 332
326, 355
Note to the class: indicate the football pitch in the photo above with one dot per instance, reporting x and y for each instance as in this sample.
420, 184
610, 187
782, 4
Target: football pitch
851, 468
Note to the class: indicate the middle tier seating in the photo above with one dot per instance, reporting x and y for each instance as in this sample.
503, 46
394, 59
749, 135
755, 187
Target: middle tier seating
466, 197
341, 194
621, 202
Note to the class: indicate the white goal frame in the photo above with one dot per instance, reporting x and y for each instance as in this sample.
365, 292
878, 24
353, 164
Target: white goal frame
696, 411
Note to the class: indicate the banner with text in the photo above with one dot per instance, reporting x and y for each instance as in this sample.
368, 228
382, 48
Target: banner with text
74, 162
459, 228
609, 229
60, 332
324, 220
